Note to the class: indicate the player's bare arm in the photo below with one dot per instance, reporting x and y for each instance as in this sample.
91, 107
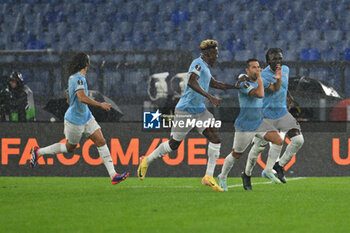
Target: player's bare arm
259, 91
67, 97
290, 100
86, 100
193, 83
278, 75
224, 86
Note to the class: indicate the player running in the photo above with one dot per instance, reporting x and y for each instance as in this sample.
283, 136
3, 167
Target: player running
276, 113
78, 119
191, 107
250, 123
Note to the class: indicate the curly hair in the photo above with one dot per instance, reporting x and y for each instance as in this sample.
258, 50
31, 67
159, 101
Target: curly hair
77, 63
208, 44
272, 51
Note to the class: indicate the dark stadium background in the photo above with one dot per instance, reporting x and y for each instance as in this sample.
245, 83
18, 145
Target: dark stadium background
130, 40
140, 51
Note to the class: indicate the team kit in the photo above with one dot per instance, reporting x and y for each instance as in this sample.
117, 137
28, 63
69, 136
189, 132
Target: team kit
263, 121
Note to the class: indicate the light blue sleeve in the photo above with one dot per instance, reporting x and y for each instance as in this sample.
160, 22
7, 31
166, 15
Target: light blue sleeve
78, 84
247, 87
286, 71
267, 80
195, 68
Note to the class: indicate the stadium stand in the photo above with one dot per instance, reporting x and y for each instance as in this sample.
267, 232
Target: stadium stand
243, 28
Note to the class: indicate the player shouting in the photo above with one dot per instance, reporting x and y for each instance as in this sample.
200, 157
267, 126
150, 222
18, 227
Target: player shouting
276, 113
191, 107
250, 123
78, 119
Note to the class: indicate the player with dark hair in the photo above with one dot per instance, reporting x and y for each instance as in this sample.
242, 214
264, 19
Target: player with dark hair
191, 107
276, 113
78, 119
250, 123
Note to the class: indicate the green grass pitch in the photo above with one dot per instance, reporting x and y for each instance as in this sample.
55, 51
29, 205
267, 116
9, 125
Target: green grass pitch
42, 204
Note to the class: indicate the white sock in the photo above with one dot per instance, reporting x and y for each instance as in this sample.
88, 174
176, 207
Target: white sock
293, 147
252, 157
107, 159
159, 152
274, 153
226, 168
53, 149
213, 155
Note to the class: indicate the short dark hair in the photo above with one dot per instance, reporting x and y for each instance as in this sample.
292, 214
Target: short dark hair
77, 63
250, 60
272, 51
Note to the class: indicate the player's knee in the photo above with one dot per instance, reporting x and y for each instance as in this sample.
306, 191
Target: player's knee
278, 141
236, 155
174, 144
274, 138
293, 132
212, 135
70, 148
215, 140
100, 142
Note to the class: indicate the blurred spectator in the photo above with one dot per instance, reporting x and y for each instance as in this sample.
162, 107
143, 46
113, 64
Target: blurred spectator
18, 97
5, 98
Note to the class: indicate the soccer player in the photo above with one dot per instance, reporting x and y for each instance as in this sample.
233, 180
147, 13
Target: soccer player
250, 123
276, 113
78, 119
191, 107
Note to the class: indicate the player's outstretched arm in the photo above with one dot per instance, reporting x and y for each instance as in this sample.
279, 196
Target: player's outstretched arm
277, 85
193, 83
87, 100
224, 86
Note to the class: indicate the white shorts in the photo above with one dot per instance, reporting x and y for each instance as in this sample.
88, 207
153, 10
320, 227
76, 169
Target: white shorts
285, 123
74, 133
242, 139
178, 133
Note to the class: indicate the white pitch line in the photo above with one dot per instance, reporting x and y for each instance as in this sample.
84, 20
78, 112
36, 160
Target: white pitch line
191, 187
268, 182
